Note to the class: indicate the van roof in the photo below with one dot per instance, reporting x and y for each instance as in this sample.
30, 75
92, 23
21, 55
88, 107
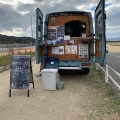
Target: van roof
67, 12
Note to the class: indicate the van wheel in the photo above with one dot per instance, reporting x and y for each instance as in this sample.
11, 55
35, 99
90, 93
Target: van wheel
85, 70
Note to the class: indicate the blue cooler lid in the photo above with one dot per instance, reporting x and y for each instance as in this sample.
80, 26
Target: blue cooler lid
51, 62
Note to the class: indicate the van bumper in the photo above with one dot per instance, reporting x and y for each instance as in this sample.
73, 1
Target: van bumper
69, 68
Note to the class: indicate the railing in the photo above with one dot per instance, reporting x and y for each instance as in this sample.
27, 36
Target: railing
108, 76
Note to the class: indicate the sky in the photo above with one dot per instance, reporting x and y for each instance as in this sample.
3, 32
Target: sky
16, 15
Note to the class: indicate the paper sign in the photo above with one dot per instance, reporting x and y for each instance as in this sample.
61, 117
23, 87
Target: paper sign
73, 49
55, 50
60, 31
61, 49
71, 42
67, 50
52, 32
67, 37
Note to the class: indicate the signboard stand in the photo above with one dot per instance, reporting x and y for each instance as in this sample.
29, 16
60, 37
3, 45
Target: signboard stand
21, 73
31, 75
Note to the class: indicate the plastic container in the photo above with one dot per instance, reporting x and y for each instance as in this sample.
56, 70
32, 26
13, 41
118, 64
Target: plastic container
49, 79
60, 85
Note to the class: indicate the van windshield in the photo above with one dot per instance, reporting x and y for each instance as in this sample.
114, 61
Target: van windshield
75, 28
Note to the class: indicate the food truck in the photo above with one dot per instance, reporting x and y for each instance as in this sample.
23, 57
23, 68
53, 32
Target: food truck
70, 39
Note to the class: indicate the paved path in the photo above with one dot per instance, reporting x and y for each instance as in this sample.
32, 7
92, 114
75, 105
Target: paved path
113, 60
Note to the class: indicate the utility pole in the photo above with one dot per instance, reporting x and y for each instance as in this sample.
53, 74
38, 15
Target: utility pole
31, 31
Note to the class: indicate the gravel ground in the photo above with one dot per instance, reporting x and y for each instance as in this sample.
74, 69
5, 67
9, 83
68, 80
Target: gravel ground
79, 100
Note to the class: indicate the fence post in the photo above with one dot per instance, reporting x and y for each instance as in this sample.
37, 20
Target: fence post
96, 64
106, 74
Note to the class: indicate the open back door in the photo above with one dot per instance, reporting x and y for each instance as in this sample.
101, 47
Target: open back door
100, 36
39, 34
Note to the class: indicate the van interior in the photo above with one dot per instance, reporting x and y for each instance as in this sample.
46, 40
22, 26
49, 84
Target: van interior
75, 28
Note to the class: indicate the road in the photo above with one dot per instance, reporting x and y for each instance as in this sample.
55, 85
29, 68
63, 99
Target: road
113, 60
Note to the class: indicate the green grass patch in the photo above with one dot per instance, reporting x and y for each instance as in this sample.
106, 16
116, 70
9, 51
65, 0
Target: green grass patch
28, 53
114, 43
107, 93
6, 59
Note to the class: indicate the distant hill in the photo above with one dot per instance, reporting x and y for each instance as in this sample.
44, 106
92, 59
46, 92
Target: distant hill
113, 39
4, 39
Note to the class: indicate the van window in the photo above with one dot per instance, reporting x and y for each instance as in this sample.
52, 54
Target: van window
75, 28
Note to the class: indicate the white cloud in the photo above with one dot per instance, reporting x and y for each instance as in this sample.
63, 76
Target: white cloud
12, 2
111, 1
81, 7
113, 8
113, 19
24, 12
14, 32
16, 14
111, 32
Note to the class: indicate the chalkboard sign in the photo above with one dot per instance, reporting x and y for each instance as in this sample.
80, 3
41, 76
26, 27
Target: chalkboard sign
20, 72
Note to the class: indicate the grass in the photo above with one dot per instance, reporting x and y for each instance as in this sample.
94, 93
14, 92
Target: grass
108, 94
30, 53
6, 59
114, 43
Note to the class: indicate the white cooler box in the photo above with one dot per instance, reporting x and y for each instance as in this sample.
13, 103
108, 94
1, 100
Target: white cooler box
49, 79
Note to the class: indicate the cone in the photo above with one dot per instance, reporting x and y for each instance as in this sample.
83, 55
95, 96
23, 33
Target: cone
18, 51
13, 51
30, 50
25, 50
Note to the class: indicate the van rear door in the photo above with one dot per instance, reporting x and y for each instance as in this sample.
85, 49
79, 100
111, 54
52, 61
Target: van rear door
100, 35
39, 35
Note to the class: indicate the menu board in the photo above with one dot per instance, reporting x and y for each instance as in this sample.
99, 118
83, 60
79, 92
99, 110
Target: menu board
60, 31
20, 71
52, 33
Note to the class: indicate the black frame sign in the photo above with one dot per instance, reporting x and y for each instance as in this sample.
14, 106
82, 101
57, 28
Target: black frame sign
20, 72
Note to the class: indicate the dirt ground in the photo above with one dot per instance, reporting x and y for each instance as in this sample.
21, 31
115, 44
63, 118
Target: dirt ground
79, 100
113, 49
